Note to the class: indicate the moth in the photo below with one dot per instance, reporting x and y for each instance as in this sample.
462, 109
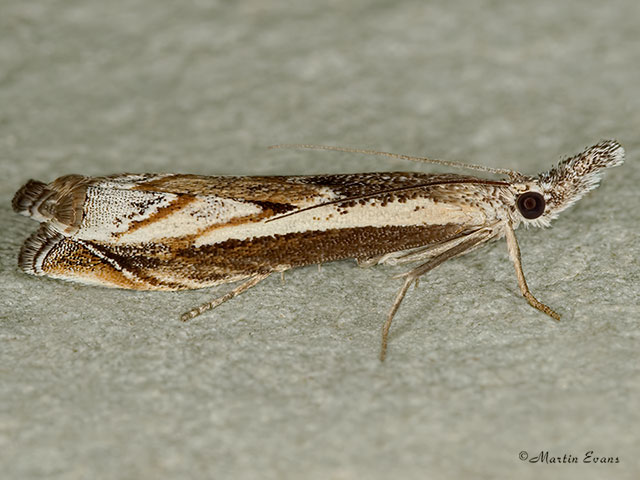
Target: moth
174, 231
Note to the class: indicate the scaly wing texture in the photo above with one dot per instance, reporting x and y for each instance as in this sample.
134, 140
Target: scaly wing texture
170, 232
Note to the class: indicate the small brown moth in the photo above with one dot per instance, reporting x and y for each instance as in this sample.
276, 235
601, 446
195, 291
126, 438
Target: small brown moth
175, 232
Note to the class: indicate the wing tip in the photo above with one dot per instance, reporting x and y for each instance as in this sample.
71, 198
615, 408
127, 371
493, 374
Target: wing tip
35, 249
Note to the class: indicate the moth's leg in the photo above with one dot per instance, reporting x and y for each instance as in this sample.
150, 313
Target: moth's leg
514, 253
394, 308
413, 275
194, 312
368, 262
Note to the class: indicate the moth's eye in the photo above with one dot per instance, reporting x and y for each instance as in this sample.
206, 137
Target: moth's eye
531, 205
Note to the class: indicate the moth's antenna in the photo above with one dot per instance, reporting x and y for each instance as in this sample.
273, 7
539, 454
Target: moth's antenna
500, 171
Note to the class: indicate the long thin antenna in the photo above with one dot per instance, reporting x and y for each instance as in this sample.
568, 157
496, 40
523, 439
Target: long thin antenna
500, 171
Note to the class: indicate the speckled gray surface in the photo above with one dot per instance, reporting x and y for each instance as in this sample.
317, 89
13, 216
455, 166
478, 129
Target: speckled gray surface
284, 381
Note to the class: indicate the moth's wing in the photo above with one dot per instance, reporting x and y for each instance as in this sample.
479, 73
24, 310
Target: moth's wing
50, 253
176, 265
145, 207
139, 266
184, 231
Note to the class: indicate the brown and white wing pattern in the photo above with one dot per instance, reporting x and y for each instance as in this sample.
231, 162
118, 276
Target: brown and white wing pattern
172, 232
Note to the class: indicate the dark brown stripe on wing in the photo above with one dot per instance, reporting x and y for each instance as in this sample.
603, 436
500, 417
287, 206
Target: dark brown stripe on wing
179, 203
357, 185
179, 265
304, 248
213, 264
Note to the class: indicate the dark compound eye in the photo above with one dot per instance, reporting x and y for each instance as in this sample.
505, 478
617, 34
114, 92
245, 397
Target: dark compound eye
531, 205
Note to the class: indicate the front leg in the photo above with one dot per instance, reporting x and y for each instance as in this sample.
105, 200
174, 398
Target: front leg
514, 253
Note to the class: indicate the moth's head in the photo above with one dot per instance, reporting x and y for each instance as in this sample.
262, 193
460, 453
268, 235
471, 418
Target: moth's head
551, 192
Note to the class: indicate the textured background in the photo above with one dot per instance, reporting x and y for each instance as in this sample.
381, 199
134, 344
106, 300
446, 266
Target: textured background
284, 381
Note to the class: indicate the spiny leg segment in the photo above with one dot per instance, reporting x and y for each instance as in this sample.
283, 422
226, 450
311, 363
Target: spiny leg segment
410, 277
253, 281
514, 253
413, 276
